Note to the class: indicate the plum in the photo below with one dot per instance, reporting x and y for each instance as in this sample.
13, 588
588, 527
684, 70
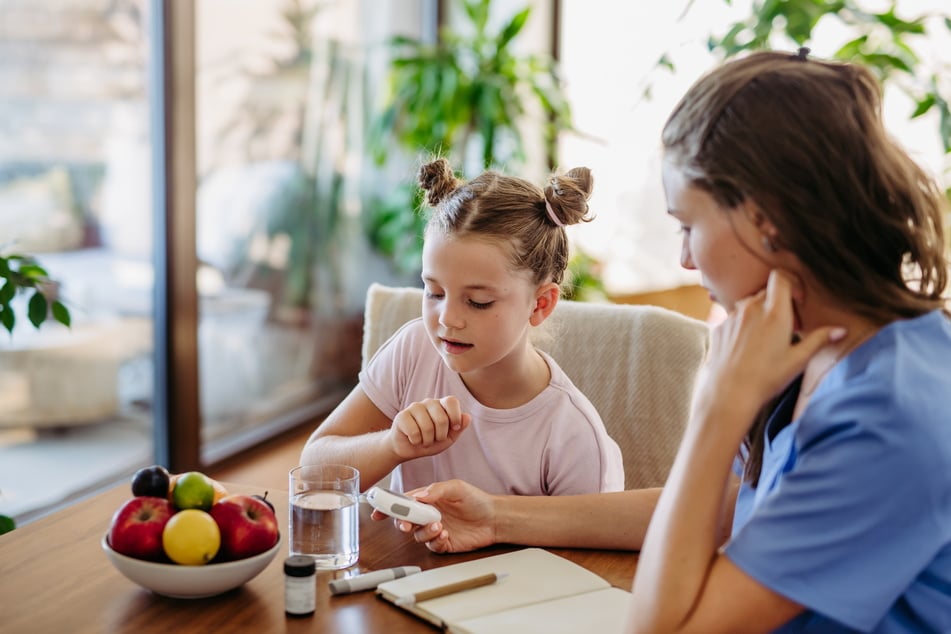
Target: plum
151, 481
264, 499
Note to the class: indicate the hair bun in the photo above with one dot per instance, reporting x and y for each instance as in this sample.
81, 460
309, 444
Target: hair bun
567, 195
437, 180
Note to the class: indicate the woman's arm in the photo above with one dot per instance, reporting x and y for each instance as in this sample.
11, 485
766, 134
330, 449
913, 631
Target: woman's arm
474, 519
682, 582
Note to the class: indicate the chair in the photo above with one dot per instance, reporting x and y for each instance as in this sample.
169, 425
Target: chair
636, 364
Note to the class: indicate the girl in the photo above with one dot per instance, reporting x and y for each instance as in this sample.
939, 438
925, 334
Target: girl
819, 439
462, 392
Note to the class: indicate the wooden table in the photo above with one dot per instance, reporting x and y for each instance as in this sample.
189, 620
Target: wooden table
54, 577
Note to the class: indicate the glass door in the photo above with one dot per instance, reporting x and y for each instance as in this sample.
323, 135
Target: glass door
76, 194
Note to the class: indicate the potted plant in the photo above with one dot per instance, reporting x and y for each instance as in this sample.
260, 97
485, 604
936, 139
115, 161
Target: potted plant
881, 40
462, 96
22, 274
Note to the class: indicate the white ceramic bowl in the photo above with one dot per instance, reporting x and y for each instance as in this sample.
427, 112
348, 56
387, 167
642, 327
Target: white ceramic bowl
190, 582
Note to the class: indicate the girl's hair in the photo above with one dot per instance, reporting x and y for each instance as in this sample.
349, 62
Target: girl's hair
511, 212
804, 141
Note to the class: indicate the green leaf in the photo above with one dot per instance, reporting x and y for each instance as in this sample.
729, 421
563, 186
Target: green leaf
923, 106
34, 271
851, 49
61, 313
728, 44
478, 11
6, 524
886, 63
8, 319
945, 125
513, 28
4, 267
37, 309
8, 292
898, 26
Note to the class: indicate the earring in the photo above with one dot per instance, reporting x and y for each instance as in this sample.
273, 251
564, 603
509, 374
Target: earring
769, 245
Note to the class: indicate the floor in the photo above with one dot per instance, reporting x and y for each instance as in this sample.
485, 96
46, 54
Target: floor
41, 469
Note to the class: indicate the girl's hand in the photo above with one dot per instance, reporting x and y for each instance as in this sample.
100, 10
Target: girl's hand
428, 427
752, 356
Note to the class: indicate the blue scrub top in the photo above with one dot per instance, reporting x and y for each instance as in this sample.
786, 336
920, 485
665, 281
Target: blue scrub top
852, 514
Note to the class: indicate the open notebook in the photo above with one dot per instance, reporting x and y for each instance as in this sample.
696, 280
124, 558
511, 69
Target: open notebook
542, 593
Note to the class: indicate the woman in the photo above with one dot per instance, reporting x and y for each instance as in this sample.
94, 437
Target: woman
826, 392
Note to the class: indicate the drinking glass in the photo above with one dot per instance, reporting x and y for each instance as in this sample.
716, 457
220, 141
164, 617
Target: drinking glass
324, 514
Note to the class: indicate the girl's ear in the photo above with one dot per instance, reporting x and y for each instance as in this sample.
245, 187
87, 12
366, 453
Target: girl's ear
546, 298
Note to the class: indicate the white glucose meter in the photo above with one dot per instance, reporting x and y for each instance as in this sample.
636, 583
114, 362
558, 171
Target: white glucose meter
402, 507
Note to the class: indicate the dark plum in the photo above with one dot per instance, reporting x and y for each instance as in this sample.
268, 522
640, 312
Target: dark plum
151, 481
264, 499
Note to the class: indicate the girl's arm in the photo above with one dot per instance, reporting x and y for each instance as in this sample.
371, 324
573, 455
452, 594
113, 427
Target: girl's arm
356, 433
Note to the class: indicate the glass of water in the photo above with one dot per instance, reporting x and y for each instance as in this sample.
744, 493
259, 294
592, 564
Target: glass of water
324, 514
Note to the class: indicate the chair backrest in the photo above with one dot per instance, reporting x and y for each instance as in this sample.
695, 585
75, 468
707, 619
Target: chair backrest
637, 365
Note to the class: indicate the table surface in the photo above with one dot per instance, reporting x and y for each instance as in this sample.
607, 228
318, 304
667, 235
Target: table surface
54, 577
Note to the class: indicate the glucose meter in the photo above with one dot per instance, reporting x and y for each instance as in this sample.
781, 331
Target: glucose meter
402, 507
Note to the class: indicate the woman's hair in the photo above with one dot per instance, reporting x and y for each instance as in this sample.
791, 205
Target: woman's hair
528, 222
804, 141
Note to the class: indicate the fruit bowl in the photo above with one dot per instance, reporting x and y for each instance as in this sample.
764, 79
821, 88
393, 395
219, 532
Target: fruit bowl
190, 582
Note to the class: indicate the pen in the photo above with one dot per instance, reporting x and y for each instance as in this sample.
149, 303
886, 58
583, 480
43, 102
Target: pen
370, 580
451, 588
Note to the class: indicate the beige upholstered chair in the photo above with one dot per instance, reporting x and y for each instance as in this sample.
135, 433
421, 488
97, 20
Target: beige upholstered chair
636, 364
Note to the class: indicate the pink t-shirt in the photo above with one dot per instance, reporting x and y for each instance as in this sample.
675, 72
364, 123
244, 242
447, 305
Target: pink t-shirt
555, 444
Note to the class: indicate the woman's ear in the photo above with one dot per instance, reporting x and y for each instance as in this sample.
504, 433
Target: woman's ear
546, 298
768, 233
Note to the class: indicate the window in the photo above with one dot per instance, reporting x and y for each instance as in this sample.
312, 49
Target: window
243, 230
75, 191
608, 54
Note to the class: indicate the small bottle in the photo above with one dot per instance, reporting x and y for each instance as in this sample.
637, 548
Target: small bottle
300, 585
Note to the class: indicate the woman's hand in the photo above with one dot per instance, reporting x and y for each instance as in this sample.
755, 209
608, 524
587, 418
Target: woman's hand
752, 355
468, 518
427, 427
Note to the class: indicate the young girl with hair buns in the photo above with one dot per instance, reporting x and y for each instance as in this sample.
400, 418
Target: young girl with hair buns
461, 392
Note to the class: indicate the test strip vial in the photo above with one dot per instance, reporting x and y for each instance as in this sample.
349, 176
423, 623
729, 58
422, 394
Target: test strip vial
300, 585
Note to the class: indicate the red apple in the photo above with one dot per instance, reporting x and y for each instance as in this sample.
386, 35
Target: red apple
248, 526
136, 527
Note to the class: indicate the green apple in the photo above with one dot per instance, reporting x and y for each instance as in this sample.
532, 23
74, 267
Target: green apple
193, 490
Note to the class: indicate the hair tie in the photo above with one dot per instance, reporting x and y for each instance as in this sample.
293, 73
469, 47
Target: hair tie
551, 214
802, 53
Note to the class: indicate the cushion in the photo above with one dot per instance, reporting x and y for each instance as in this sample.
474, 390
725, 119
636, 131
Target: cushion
637, 365
38, 214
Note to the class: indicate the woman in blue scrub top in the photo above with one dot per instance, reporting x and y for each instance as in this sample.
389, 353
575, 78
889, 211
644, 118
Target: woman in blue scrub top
812, 488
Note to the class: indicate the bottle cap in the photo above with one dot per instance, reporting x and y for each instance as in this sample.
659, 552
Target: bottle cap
299, 566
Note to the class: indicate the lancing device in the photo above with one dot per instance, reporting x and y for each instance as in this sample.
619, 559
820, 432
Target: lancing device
370, 580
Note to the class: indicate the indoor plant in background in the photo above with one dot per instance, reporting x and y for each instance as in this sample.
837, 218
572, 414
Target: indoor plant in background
298, 124
890, 45
465, 97
23, 275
